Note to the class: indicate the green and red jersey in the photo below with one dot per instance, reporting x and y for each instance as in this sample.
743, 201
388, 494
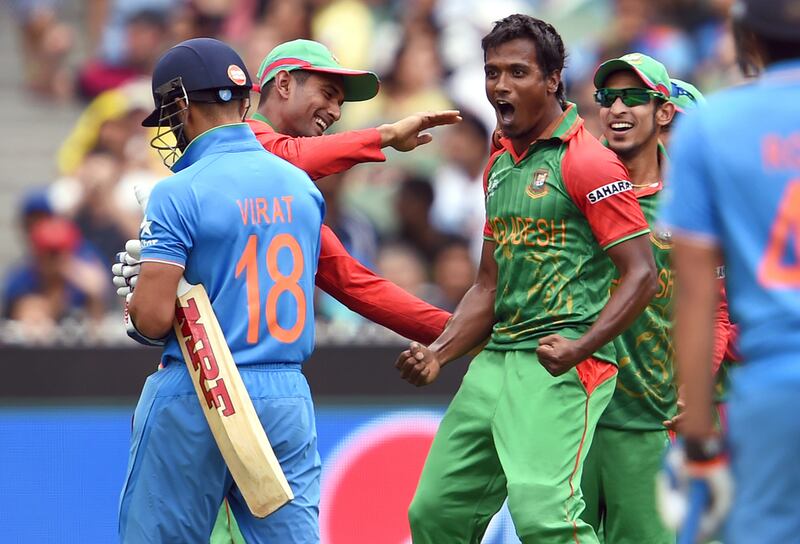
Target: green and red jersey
552, 212
645, 395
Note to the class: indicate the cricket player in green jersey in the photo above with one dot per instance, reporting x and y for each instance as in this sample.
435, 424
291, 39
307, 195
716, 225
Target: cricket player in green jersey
637, 106
619, 475
558, 205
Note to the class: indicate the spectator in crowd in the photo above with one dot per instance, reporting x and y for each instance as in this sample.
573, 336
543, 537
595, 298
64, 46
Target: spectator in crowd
453, 273
413, 209
110, 122
98, 215
55, 281
45, 42
145, 39
458, 204
403, 265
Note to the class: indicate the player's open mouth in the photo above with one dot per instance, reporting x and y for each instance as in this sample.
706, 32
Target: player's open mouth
505, 110
321, 123
621, 126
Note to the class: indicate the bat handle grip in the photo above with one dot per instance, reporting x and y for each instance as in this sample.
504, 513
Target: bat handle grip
698, 502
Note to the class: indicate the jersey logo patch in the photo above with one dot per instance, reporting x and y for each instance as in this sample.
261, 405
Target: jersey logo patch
610, 189
537, 188
719, 272
144, 227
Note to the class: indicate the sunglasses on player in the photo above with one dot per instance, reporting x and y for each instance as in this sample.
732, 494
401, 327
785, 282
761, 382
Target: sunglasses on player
630, 97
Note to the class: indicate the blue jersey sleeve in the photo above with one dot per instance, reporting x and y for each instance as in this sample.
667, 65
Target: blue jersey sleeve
167, 228
689, 206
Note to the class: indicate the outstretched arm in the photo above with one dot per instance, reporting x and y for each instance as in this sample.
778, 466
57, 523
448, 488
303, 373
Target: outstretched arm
376, 298
321, 156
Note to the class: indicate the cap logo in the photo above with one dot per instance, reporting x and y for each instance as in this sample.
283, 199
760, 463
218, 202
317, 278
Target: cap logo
236, 75
632, 58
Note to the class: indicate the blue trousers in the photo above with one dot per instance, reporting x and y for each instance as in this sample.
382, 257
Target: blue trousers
764, 421
177, 478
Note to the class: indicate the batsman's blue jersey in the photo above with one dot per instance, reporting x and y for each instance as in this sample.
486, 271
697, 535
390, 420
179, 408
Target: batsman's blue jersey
735, 181
246, 225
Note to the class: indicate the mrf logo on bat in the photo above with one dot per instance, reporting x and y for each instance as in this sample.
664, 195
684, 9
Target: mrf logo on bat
203, 358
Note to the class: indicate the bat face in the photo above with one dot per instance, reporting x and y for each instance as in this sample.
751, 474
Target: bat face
204, 360
226, 404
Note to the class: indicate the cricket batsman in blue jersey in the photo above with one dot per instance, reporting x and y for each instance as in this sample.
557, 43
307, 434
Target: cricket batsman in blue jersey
735, 184
246, 225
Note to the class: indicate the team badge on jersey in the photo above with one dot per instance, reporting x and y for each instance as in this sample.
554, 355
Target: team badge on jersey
537, 188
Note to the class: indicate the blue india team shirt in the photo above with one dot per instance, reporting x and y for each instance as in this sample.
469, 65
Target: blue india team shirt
735, 181
245, 224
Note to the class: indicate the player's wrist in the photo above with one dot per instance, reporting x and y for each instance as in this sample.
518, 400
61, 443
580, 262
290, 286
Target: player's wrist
703, 450
388, 134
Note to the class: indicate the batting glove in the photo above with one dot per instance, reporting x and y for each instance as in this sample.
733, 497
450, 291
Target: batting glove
126, 269
695, 489
134, 333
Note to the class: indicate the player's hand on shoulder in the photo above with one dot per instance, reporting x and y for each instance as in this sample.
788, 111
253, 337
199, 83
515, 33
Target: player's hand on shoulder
558, 354
407, 133
126, 270
418, 365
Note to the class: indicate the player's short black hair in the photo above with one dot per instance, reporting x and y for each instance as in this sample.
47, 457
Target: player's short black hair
550, 52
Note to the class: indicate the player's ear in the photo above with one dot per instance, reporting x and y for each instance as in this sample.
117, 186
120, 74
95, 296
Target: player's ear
665, 113
282, 83
553, 81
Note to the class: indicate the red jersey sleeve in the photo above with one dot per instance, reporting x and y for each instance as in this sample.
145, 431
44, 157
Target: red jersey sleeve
731, 350
487, 228
379, 300
321, 156
722, 328
599, 185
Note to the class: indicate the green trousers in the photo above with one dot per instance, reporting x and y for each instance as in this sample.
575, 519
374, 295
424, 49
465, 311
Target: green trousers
226, 530
514, 431
619, 486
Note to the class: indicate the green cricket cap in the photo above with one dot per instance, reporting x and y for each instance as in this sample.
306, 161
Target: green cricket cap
685, 96
650, 71
314, 57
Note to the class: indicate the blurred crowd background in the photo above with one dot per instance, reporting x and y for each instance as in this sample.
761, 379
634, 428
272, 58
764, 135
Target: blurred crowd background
74, 86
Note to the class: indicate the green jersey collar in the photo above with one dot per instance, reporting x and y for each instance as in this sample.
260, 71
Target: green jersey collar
566, 126
258, 117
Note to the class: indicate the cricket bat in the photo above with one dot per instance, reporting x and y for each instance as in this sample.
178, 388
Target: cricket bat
698, 502
224, 400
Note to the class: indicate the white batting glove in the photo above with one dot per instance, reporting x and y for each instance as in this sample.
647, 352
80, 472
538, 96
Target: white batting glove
694, 490
134, 333
126, 269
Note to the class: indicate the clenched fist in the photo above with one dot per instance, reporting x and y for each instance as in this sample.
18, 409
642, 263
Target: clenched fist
418, 365
558, 354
